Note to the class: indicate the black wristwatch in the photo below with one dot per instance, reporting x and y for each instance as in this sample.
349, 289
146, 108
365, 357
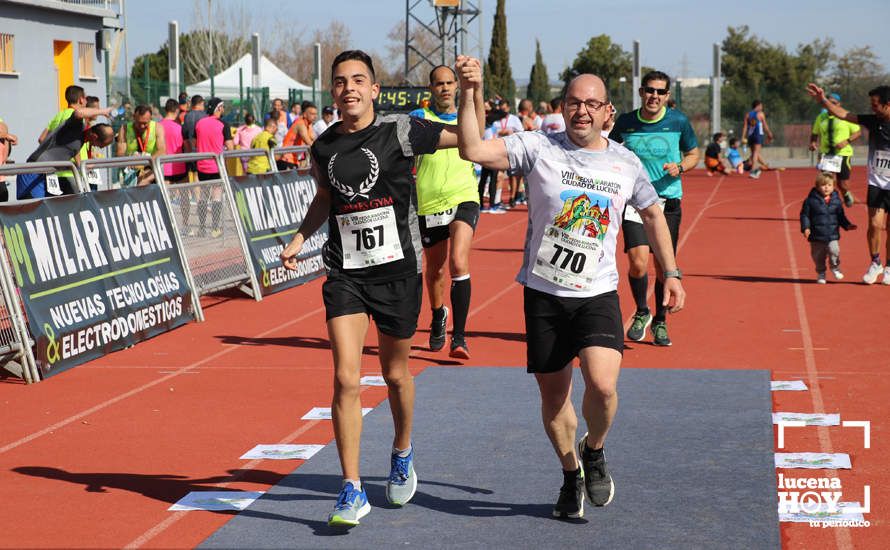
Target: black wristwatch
680, 168
675, 273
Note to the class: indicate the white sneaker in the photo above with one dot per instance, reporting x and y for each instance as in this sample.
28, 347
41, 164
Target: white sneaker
821, 279
838, 275
872, 274
886, 279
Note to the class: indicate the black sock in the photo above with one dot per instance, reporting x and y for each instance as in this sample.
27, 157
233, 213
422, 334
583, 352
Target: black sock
571, 475
592, 454
876, 258
660, 310
438, 314
638, 288
460, 304
217, 213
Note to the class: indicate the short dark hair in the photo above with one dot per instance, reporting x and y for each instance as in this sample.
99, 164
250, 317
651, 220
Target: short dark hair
73, 94
172, 106
249, 119
92, 100
756, 103
102, 130
141, 109
307, 104
197, 100
354, 55
437, 67
183, 97
882, 93
717, 136
656, 75
555, 103
733, 142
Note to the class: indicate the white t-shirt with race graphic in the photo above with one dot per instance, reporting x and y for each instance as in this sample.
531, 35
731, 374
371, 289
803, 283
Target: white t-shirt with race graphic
576, 199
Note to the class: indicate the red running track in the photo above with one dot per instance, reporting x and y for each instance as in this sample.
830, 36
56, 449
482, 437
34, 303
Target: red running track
95, 456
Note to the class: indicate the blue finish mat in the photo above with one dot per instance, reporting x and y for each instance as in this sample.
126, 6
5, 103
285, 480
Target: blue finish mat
691, 453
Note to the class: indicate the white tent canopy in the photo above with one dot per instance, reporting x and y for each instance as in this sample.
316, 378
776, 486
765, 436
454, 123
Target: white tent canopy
226, 83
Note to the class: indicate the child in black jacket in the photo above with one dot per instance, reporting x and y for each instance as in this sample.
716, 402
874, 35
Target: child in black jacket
820, 217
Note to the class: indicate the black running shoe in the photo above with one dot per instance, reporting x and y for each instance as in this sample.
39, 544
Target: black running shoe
437, 331
598, 485
459, 348
570, 503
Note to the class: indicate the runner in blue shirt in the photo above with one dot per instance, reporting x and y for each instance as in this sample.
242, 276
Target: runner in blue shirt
664, 141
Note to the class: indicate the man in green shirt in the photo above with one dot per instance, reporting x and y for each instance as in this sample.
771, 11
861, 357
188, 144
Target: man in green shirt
833, 138
448, 209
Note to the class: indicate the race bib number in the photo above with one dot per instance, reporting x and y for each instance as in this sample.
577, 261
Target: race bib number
369, 238
830, 163
52, 184
567, 259
93, 178
440, 218
881, 164
631, 214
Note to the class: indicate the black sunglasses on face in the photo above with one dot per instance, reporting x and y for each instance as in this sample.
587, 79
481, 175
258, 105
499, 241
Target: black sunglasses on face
659, 91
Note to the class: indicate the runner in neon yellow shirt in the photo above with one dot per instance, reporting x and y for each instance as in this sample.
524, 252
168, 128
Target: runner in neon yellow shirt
448, 208
834, 137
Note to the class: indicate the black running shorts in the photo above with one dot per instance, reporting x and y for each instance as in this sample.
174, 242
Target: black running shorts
635, 235
394, 305
878, 198
467, 212
846, 168
558, 328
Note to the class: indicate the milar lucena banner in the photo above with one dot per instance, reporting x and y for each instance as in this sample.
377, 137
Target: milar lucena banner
96, 273
272, 207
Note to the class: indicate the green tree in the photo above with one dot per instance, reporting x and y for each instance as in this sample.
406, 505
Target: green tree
855, 73
538, 81
603, 58
498, 80
755, 69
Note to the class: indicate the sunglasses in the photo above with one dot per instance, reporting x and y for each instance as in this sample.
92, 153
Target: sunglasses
659, 91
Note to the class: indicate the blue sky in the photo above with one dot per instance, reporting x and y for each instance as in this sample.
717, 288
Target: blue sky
669, 31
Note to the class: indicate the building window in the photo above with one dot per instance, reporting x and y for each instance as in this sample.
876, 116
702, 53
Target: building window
7, 48
86, 52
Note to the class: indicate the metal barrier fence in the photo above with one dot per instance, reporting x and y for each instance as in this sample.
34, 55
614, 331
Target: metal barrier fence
86, 167
277, 151
16, 342
206, 220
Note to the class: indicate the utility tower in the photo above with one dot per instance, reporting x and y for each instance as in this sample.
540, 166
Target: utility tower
447, 24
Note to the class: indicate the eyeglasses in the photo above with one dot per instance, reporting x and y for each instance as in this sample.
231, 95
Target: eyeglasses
591, 105
653, 91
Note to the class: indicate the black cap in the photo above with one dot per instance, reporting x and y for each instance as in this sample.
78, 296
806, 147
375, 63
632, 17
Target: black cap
212, 104
327, 110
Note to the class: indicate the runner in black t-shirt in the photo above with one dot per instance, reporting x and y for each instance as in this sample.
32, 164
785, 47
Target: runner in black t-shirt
366, 194
878, 168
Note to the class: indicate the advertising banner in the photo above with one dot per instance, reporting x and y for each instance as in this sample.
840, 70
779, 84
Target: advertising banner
272, 207
96, 273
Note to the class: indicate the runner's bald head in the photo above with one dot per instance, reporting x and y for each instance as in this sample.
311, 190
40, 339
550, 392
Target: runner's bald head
587, 84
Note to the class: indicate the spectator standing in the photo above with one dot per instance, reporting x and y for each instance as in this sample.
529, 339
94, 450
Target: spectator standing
212, 135
174, 172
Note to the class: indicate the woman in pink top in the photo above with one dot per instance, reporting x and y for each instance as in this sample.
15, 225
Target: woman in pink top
174, 172
245, 134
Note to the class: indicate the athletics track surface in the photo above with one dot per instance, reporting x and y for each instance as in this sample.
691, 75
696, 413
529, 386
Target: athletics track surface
95, 456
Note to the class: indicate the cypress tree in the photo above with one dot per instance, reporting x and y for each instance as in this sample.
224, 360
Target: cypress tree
499, 77
538, 82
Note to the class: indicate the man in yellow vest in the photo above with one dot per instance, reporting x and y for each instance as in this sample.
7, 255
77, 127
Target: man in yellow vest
448, 208
142, 137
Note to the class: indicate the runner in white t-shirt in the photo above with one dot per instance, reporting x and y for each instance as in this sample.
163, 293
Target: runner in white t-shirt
579, 183
553, 122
